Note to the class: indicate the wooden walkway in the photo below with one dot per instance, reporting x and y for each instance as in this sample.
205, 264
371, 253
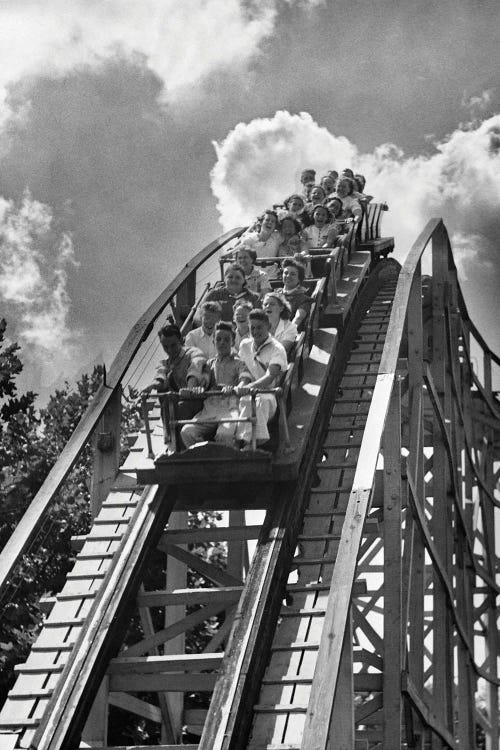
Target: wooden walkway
281, 709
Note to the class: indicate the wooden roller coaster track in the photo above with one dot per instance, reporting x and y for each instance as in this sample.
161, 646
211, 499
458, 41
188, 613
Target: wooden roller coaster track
366, 617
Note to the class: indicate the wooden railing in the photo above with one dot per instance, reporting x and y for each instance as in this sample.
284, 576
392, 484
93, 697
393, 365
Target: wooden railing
31, 521
448, 541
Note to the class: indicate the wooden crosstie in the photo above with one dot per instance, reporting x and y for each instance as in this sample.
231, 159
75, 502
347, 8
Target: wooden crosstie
357, 610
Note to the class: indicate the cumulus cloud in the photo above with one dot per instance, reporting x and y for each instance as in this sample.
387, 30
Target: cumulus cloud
34, 259
258, 163
181, 42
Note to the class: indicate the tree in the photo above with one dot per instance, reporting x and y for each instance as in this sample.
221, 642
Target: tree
31, 440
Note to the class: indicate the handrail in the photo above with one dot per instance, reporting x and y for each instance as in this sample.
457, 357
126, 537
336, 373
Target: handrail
32, 518
322, 695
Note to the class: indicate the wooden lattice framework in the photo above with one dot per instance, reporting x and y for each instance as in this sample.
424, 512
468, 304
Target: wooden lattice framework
410, 629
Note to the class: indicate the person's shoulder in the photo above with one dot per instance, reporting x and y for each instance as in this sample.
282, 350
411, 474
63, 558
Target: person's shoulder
194, 351
193, 334
278, 347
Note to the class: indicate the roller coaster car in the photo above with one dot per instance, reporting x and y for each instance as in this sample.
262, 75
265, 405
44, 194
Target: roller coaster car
210, 464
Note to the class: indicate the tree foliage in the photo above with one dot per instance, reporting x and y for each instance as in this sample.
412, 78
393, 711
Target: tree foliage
31, 440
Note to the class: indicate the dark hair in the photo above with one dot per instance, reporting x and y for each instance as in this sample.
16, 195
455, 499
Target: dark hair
336, 200
291, 197
332, 172
245, 249
320, 187
348, 173
270, 211
286, 310
320, 205
305, 172
360, 178
212, 306
234, 267
225, 325
350, 182
170, 330
259, 315
297, 225
246, 304
295, 264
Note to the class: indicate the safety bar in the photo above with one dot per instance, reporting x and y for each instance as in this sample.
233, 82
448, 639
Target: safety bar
173, 399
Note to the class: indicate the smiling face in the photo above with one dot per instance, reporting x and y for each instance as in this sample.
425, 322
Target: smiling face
269, 222
208, 320
320, 217
317, 194
243, 257
272, 307
259, 330
234, 281
223, 342
291, 278
240, 317
342, 188
328, 183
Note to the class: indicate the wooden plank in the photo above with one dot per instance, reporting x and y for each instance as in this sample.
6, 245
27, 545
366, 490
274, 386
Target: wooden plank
176, 682
189, 596
164, 663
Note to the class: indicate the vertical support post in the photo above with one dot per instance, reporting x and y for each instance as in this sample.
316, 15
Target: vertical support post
393, 666
176, 579
341, 733
106, 444
416, 462
237, 552
492, 636
442, 518
95, 732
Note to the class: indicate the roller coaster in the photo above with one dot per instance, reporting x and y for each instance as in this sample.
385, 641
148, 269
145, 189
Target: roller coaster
357, 609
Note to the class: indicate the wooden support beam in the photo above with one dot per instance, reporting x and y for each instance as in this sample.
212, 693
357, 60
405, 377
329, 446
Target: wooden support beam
106, 445
392, 588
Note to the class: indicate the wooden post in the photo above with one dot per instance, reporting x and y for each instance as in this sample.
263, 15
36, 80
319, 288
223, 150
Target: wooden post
106, 444
341, 734
392, 574
176, 578
95, 732
442, 501
237, 552
492, 636
415, 462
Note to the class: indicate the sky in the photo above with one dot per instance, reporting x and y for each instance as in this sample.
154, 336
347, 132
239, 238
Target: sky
132, 133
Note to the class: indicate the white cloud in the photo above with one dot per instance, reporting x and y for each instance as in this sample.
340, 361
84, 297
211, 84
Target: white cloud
181, 41
33, 281
259, 163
